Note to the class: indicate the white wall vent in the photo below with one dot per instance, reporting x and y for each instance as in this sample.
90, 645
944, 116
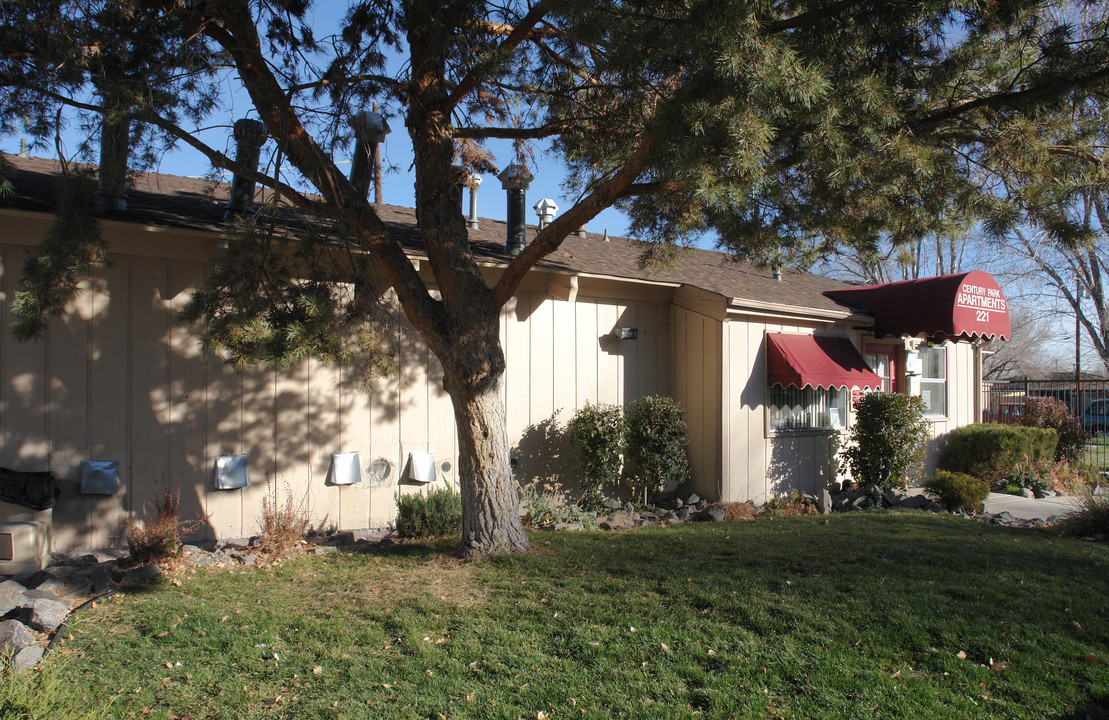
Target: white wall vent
346, 468
421, 467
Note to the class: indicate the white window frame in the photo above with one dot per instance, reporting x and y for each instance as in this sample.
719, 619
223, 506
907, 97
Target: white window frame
933, 384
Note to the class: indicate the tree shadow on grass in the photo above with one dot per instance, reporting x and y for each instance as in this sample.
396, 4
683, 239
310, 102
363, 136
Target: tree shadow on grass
1095, 708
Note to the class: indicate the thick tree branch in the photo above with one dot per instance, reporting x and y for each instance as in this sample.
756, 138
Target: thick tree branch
216, 158
811, 17
272, 103
507, 133
1034, 95
549, 238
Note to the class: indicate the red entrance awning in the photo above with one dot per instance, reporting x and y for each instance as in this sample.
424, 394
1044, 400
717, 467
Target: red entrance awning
964, 306
819, 362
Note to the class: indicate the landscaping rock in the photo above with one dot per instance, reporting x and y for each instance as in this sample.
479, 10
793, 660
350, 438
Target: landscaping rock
1041, 494
613, 504
568, 527
324, 550
710, 514
14, 636
683, 513
341, 538
915, 502
861, 502
693, 499
27, 658
1028, 493
11, 596
386, 542
44, 614
235, 544
824, 502
890, 498
145, 573
619, 520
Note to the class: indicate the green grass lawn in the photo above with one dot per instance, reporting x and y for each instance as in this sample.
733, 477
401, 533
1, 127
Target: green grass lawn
858, 616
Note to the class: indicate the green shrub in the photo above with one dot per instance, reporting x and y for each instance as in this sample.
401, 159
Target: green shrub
657, 443
596, 434
435, 514
955, 489
1052, 413
1091, 519
886, 440
991, 452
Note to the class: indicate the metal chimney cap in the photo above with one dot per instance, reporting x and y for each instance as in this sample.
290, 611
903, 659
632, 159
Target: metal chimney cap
369, 126
252, 132
546, 207
515, 177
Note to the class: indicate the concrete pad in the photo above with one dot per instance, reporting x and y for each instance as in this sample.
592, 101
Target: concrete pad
1030, 508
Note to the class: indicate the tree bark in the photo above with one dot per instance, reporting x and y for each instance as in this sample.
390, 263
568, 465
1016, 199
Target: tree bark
473, 376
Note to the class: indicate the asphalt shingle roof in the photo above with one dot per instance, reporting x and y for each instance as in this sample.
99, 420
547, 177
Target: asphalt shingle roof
196, 204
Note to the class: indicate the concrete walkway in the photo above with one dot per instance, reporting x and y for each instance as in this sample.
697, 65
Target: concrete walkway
1030, 508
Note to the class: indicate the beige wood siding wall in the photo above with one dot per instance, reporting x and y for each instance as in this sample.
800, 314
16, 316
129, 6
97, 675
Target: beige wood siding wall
698, 382
961, 388
562, 355
118, 379
757, 466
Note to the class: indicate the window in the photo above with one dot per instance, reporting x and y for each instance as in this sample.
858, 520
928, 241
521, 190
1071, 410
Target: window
794, 408
933, 380
882, 360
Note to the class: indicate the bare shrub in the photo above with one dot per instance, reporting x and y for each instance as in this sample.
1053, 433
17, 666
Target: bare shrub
283, 527
737, 510
154, 540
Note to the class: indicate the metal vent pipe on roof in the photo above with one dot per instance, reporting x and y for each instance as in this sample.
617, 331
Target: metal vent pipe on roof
370, 129
115, 144
249, 136
474, 182
546, 210
515, 179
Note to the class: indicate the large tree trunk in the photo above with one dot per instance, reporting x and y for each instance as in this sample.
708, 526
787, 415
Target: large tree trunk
490, 503
473, 376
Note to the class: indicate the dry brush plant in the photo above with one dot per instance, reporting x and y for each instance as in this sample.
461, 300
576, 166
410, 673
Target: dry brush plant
158, 538
283, 526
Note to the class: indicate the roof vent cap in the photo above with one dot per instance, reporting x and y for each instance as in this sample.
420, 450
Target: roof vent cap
546, 210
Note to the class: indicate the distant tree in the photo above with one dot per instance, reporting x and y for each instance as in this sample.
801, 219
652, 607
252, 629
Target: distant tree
785, 128
1027, 353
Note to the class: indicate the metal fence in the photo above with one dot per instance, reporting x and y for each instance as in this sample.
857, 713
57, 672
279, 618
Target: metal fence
1088, 401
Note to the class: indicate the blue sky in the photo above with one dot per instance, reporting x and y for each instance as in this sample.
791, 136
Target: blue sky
548, 170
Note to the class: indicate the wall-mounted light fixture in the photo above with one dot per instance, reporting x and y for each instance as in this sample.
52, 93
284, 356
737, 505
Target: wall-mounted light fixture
625, 333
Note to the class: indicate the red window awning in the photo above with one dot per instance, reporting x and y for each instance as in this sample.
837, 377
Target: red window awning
814, 361
964, 306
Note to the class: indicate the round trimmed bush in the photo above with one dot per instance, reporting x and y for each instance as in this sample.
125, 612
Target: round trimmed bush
956, 489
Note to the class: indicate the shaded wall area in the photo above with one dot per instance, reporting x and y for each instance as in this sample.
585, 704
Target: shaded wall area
118, 379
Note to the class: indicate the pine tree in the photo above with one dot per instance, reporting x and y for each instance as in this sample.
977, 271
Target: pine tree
784, 128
